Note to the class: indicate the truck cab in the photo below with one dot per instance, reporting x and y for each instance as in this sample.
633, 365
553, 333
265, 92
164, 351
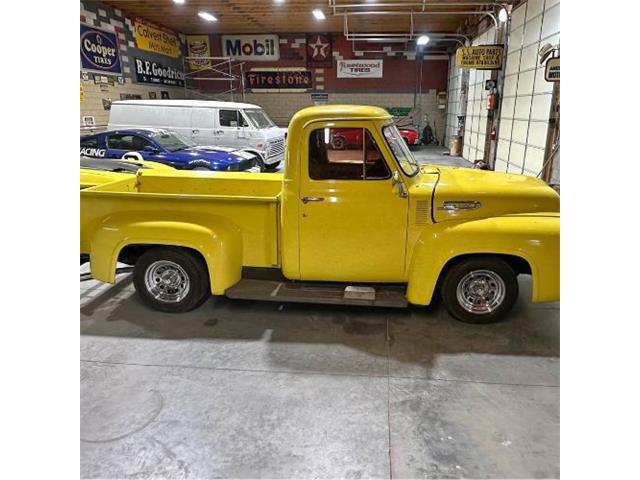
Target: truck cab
355, 222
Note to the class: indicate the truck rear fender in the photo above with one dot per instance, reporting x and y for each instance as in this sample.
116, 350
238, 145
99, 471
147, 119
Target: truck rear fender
529, 244
217, 239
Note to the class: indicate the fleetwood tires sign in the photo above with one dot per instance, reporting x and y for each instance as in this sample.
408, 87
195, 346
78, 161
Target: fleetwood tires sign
359, 68
257, 48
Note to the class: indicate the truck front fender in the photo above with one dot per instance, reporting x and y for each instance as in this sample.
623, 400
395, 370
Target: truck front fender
217, 239
532, 238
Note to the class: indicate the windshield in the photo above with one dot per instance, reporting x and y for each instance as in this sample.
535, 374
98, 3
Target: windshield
400, 150
259, 118
172, 141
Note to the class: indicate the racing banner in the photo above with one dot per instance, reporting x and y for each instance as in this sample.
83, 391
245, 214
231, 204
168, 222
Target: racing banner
198, 46
156, 73
99, 50
153, 39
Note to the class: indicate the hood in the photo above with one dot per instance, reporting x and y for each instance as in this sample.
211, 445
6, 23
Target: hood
217, 154
463, 193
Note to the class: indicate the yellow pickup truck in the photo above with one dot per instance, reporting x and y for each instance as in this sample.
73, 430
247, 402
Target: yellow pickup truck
355, 222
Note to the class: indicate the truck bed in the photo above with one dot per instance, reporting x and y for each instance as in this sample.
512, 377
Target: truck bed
248, 201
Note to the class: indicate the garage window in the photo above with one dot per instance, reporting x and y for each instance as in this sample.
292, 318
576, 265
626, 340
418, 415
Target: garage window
345, 154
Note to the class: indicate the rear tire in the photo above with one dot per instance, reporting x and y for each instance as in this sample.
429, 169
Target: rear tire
480, 290
171, 279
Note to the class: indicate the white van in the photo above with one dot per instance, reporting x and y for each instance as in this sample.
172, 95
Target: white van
225, 124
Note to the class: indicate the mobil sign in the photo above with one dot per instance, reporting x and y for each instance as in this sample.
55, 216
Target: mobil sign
261, 48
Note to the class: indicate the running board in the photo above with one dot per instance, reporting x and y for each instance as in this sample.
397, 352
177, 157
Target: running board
334, 294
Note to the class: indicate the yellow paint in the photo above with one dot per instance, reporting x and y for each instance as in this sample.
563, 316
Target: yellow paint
155, 40
362, 232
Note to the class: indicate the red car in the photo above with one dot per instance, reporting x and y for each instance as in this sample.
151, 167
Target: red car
342, 138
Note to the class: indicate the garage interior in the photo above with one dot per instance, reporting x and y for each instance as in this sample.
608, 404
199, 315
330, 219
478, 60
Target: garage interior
246, 389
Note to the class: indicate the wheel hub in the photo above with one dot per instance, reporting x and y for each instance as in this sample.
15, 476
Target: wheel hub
481, 291
167, 281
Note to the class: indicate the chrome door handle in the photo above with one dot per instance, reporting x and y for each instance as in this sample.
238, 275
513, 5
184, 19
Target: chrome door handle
306, 200
219, 132
195, 131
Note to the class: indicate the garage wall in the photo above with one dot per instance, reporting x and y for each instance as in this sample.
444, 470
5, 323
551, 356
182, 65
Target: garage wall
99, 15
454, 85
281, 106
475, 129
526, 96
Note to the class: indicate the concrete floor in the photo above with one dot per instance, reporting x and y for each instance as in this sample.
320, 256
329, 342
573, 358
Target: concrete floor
253, 389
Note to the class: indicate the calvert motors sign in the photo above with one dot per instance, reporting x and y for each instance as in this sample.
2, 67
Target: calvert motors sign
260, 48
154, 72
359, 68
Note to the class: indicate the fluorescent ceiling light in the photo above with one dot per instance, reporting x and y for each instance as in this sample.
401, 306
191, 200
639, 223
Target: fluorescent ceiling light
319, 14
178, 1
502, 15
278, 1
207, 16
423, 40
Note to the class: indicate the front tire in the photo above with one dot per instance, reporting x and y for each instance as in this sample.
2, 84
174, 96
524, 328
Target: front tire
171, 279
480, 290
273, 167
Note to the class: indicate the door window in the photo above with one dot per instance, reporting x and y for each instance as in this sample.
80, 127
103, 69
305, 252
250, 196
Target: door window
231, 118
345, 154
127, 142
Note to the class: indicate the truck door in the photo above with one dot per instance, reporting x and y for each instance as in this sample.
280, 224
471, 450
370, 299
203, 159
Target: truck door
352, 220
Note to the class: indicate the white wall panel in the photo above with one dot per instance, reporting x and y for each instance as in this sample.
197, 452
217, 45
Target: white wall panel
526, 96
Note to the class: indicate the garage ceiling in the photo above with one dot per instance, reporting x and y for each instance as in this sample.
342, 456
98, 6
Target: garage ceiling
261, 16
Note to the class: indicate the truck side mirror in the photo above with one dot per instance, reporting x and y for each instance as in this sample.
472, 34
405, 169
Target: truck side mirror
396, 181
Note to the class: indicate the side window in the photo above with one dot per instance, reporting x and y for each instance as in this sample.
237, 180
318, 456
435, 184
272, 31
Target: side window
242, 120
127, 142
89, 142
345, 154
229, 118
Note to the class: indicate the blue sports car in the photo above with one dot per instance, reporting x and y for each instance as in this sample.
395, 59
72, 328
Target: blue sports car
164, 146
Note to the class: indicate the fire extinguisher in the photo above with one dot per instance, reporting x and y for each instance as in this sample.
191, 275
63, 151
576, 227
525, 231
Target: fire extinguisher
492, 100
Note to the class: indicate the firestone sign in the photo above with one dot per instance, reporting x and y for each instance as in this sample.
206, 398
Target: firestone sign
99, 50
261, 48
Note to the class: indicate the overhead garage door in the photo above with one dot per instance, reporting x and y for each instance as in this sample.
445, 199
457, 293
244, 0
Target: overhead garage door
475, 127
453, 99
526, 98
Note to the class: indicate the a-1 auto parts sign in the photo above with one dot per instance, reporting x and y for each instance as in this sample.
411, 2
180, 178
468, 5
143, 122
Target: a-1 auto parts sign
482, 57
359, 68
261, 48
99, 50
157, 73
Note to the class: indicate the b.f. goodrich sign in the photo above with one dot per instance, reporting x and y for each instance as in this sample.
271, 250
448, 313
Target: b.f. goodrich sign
154, 72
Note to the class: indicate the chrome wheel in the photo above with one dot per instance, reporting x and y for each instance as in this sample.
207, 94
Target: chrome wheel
166, 281
481, 291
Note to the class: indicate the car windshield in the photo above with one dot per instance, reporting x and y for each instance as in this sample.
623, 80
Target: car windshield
172, 141
400, 150
259, 118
